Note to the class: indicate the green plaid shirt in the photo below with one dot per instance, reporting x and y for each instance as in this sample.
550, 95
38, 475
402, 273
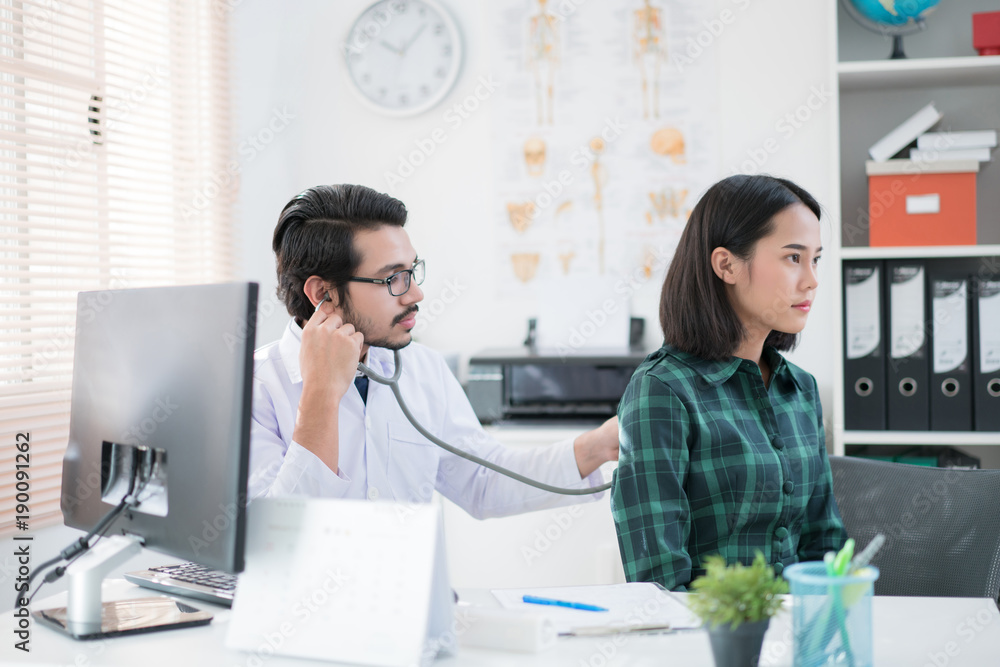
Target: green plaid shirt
712, 462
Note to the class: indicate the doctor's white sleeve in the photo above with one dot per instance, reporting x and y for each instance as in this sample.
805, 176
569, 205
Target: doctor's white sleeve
279, 469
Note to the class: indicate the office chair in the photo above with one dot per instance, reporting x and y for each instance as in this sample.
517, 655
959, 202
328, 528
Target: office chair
942, 525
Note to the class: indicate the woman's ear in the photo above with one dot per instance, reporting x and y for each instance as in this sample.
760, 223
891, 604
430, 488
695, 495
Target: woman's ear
316, 290
724, 265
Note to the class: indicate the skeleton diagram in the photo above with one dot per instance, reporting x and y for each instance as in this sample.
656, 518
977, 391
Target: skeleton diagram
649, 52
600, 176
666, 202
534, 156
543, 59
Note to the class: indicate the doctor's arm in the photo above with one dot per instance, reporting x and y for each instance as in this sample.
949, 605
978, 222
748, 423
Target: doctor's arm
484, 493
328, 360
596, 447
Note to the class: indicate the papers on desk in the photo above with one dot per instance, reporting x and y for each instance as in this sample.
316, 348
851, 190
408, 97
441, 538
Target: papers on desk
630, 607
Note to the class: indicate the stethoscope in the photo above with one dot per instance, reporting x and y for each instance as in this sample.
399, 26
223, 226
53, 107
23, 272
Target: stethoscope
393, 384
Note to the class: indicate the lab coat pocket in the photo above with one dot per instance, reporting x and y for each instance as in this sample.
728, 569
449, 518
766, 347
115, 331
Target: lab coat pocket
413, 464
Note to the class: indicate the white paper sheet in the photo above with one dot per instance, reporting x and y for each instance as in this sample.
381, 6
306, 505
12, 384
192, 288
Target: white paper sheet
632, 604
582, 312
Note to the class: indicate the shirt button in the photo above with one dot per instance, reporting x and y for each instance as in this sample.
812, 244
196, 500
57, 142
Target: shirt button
778, 444
373, 493
781, 532
778, 568
789, 486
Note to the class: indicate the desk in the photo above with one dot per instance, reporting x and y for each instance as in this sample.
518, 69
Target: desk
909, 632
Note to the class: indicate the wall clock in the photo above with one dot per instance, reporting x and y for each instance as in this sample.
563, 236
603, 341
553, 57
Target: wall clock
403, 56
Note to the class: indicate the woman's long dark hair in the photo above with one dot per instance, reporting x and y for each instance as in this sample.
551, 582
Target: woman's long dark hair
735, 213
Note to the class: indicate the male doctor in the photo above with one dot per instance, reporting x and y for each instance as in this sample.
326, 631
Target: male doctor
320, 429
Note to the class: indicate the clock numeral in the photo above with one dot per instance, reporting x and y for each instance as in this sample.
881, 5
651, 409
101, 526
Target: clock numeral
366, 78
438, 28
446, 50
422, 11
425, 91
439, 72
400, 7
382, 92
404, 99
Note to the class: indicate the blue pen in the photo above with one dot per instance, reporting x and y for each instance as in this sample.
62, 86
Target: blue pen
531, 599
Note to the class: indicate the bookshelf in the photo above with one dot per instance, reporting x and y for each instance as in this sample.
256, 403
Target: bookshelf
919, 251
919, 73
873, 96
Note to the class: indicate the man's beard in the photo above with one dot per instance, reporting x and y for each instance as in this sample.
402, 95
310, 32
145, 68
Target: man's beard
366, 326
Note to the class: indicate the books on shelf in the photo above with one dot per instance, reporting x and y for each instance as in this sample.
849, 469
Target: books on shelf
949, 141
905, 134
932, 155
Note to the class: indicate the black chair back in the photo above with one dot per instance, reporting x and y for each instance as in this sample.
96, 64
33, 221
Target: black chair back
942, 525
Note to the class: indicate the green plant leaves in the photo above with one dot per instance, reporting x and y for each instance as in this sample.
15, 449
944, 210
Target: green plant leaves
735, 594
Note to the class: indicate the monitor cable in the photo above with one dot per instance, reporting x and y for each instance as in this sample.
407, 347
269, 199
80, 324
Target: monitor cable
82, 545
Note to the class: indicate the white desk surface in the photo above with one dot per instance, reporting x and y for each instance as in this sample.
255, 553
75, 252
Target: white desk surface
910, 632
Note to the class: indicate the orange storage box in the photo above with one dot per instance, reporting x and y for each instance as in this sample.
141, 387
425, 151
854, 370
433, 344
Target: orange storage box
922, 203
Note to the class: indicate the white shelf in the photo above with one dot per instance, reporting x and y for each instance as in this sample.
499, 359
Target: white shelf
920, 438
901, 252
918, 72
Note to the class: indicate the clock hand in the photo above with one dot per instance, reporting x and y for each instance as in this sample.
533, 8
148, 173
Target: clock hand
390, 47
413, 39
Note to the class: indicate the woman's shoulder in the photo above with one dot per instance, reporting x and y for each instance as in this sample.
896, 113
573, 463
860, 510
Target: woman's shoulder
680, 372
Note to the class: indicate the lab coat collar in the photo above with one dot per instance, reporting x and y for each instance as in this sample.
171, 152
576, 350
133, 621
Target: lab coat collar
379, 359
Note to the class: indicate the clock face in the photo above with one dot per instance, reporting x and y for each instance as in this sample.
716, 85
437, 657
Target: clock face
403, 56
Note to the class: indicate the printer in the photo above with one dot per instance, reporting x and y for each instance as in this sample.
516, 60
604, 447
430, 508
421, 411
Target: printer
530, 383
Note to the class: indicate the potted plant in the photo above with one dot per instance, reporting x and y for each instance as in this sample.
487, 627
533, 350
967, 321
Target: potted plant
737, 602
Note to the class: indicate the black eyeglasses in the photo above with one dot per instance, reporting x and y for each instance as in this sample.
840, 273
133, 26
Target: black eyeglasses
399, 282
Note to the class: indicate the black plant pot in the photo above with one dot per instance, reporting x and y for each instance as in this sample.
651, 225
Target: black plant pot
739, 647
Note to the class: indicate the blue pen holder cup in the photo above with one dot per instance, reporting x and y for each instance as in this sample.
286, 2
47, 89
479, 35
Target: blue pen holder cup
831, 616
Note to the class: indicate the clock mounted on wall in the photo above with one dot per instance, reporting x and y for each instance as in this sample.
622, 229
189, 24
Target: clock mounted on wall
403, 56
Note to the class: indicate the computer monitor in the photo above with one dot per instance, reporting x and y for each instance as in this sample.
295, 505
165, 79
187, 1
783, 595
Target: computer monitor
161, 391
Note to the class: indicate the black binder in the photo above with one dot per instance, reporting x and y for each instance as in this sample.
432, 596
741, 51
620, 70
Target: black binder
908, 346
951, 347
864, 347
986, 353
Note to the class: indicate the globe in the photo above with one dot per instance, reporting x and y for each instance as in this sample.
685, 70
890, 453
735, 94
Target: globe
894, 12
894, 18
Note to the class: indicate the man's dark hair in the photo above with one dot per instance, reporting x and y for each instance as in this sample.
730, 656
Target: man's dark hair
735, 213
315, 237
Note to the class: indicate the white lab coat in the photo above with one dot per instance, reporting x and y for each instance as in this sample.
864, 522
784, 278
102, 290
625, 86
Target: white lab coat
381, 454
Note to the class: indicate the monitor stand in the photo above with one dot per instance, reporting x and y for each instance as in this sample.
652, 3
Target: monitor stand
85, 617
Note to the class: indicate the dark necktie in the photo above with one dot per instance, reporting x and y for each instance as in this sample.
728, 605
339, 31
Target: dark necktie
361, 382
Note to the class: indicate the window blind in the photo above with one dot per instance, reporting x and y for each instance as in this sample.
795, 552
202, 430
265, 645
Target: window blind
114, 152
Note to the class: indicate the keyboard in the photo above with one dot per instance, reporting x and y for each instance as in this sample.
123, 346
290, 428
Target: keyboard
188, 580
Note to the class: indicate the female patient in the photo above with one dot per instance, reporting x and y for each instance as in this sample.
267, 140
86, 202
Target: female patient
722, 444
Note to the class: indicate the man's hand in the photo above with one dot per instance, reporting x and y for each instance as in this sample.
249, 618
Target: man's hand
330, 352
596, 447
328, 361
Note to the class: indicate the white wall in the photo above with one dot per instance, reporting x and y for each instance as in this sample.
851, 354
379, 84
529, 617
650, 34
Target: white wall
774, 55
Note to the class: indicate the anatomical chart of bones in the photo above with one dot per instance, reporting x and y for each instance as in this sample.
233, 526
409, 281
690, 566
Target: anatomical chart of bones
604, 134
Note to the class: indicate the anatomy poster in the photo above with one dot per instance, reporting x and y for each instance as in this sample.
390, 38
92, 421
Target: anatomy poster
604, 134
